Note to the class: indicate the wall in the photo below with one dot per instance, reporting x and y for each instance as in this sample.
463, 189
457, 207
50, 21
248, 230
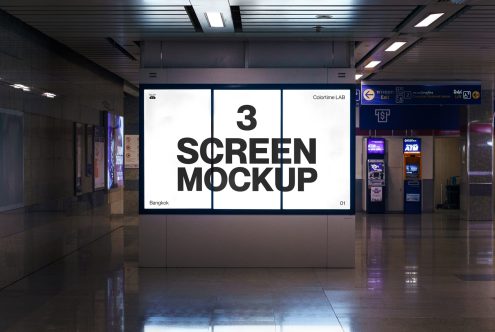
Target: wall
131, 127
82, 88
54, 222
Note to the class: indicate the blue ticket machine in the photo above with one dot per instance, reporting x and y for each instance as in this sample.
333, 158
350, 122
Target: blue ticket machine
412, 175
375, 181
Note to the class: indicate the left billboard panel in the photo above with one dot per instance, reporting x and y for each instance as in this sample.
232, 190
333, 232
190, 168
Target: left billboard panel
176, 123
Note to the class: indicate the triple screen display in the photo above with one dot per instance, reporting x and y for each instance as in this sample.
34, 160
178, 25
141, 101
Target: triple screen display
245, 149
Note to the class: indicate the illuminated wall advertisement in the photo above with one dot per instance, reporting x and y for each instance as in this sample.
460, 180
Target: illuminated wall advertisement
242, 149
99, 158
115, 151
78, 148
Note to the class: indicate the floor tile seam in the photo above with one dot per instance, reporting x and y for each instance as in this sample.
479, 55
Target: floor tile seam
60, 258
333, 310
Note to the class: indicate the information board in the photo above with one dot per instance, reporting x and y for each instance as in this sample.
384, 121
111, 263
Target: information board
247, 149
415, 94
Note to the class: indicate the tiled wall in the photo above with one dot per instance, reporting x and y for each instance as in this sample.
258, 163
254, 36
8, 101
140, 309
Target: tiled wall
131, 127
83, 91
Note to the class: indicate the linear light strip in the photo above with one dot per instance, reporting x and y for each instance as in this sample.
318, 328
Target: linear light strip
372, 64
395, 46
428, 20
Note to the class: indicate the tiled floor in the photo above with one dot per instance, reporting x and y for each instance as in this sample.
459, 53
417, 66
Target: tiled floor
417, 273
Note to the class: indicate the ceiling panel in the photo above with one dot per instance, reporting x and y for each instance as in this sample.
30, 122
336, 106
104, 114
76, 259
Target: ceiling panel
461, 48
345, 20
86, 27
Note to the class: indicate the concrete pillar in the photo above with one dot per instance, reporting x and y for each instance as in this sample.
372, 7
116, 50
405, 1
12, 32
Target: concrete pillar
477, 159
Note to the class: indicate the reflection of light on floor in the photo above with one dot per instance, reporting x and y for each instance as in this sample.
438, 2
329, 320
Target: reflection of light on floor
411, 278
484, 258
242, 328
310, 328
375, 279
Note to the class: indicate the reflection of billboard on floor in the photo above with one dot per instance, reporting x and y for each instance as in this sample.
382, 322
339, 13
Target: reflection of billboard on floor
115, 151
274, 148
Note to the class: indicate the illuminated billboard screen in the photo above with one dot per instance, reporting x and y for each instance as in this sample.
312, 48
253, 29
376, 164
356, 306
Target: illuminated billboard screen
247, 149
115, 151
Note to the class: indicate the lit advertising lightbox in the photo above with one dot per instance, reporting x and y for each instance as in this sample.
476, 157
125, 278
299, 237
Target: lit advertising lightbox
247, 149
115, 150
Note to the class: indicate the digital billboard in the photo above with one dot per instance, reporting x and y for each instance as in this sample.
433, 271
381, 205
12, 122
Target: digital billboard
247, 149
115, 150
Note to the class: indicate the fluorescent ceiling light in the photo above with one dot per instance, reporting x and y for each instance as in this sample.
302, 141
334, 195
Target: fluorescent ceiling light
215, 19
395, 46
372, 64
358, 76
49, 95
429, 20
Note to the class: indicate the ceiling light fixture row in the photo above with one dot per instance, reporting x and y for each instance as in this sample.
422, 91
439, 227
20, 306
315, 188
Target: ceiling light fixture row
395, 46
26, 88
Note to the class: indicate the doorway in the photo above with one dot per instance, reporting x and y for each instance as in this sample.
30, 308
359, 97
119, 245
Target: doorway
447, 166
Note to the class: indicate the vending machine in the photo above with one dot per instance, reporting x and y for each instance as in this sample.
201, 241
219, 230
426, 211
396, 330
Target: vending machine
376, 180
412, 175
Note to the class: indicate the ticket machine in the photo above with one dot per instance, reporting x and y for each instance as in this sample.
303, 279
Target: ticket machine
376, 180
412, 175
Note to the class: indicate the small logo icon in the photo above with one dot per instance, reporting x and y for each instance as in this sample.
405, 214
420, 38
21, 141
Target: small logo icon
369, 94
382, 115
476, 94
466, 94
152, 97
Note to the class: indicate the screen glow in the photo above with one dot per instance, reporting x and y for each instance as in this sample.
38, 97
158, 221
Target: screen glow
245, 149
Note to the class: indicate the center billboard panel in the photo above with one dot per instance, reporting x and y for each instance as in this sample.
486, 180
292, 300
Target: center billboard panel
274, 149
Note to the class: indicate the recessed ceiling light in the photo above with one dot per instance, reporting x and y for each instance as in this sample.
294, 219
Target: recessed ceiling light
395, 46
428, 20
358, 76
372, 64
49, 95
215, 19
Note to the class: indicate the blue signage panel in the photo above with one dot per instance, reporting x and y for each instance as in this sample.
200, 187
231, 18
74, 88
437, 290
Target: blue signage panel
411, 145
409, 117
463, 94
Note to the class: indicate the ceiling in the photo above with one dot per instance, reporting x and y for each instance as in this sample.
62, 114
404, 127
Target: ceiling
460, 45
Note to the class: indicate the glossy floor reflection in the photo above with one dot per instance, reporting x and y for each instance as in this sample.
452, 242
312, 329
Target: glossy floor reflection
432, 272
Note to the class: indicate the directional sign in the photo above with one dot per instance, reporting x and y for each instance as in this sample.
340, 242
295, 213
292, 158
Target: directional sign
368, 95
414, 94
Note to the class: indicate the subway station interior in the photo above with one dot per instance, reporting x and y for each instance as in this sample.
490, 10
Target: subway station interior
247, 165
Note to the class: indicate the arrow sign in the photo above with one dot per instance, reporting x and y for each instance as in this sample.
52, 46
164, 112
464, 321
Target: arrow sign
369, 94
